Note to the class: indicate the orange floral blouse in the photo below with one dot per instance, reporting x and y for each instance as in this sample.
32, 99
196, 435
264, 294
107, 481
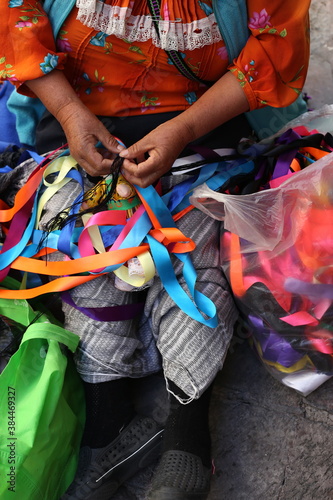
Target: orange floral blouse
118, 65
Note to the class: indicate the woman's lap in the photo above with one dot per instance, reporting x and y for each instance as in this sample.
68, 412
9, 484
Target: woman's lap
190, 352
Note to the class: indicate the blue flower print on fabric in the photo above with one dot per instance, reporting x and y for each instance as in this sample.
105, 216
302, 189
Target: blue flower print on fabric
99, 39
15, 3
50, 62
191, 97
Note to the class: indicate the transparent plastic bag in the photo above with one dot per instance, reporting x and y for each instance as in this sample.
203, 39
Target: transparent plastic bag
320, 119
277, 252
270, 219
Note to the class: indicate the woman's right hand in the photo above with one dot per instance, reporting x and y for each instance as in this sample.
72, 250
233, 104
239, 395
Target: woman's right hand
83, 131
82, 128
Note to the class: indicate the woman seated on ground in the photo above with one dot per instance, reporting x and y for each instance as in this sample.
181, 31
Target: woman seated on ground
102, 71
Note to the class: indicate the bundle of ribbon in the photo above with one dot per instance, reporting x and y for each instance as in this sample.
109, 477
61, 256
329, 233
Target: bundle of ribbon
277, 251
144, 229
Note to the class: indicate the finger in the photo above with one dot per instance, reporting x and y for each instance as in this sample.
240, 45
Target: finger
141, 182
109, 141
137, 150
139, 170
142, 175
92, 161
106, 154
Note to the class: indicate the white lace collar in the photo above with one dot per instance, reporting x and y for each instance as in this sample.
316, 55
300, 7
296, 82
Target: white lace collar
174, 35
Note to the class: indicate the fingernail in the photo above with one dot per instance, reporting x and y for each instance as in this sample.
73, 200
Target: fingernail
124, 153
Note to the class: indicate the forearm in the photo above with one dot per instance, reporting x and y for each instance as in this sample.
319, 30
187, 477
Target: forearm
84, 131
56, 94
222, 102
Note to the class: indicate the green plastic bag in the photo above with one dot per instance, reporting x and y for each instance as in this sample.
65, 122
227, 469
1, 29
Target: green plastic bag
42, 409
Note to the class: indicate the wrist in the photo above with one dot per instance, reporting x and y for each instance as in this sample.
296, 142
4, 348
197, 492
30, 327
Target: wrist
67, 109
184, 128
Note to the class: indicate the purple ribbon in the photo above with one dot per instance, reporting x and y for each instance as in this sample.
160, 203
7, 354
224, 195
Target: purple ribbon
112, 313
283, 162
314, 291
274, 347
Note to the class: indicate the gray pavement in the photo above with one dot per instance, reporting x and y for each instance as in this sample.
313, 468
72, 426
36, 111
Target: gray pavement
319, 83
269, 442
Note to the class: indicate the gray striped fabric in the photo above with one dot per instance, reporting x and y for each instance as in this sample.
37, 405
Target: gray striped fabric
190, 353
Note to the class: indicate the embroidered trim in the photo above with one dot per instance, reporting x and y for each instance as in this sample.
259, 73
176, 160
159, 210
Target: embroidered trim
174, 35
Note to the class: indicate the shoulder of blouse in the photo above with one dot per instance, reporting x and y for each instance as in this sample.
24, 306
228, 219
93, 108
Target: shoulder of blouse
57, 11
232, 20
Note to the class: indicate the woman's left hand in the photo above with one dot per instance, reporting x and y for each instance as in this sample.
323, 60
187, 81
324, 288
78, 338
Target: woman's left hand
155, 153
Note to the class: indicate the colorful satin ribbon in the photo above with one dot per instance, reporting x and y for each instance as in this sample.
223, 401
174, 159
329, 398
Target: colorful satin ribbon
108, 240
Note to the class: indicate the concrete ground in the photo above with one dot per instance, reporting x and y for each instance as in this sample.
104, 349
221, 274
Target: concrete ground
269, 442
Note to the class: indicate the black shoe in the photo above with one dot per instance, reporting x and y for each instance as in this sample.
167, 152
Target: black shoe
180, 476
101, 471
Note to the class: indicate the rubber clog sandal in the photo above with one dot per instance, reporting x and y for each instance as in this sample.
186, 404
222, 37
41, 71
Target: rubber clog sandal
180, 476
102, 471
